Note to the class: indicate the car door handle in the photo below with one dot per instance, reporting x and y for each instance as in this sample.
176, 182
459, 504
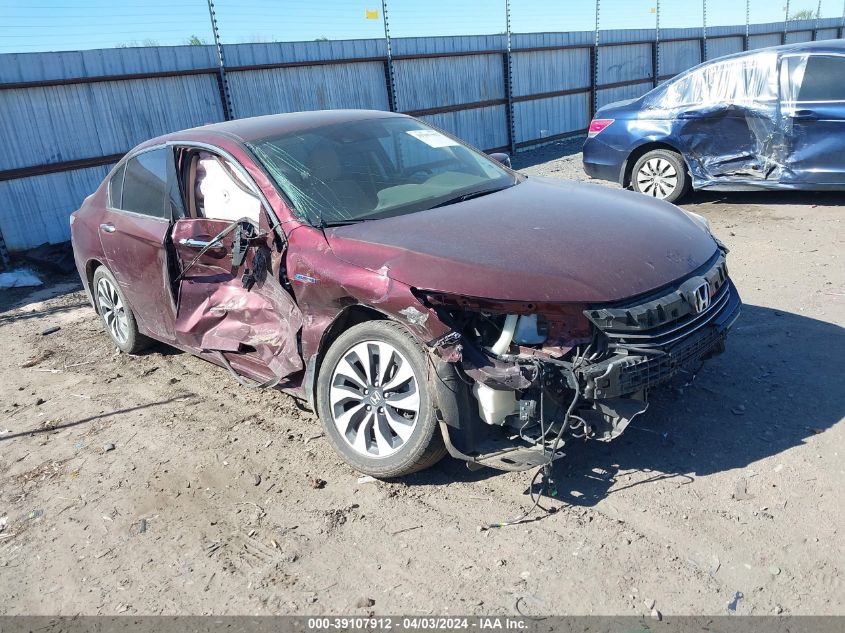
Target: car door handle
199, 244
805, 115
107, 228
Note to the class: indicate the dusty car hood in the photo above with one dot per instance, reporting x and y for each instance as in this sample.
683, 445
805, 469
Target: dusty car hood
541, 240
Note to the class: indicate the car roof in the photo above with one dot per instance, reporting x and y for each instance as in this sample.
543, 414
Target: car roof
271, 125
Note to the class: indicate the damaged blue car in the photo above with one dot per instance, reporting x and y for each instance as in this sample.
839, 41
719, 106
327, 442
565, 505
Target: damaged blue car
771, 118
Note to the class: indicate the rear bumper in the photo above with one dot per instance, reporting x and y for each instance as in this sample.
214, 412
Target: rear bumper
602, 161
628, 373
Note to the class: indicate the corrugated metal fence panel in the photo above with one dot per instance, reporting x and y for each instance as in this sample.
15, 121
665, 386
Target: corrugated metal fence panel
537, 40
445, 81
547, 71
258, 92
827, 34
54, 124
36, 210
717, 47
485, 128
799, 36
624, 63
762, 41
676, 57
540, 118
278, 52
448, 44
16, 67
624, 92
609, 36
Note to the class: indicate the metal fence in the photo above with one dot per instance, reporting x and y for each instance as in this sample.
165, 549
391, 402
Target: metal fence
66, 117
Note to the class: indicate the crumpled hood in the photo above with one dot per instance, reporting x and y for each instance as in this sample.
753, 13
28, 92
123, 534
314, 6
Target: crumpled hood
541, 240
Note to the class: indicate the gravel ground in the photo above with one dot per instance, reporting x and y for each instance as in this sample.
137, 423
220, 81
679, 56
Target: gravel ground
154, 484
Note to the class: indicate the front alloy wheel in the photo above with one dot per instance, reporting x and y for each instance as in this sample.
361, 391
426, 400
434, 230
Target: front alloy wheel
373, 400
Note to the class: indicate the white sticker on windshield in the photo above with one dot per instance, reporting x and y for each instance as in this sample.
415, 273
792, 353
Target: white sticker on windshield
433, 138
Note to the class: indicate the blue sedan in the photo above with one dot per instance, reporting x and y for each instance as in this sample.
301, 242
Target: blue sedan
771, 118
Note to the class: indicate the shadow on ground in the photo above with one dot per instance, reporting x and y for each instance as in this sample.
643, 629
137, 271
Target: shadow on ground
774, 387
766, 198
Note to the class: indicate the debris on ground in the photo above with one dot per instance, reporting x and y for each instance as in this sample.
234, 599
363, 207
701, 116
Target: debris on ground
50, 330
20, 278
364, 603
108, 446
740, 492
366, 479
36, 360
733, 604
317, 483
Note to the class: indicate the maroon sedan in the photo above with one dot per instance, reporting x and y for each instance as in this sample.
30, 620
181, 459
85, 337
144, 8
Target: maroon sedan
420, 296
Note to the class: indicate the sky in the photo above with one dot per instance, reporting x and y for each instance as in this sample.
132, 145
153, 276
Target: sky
45, 25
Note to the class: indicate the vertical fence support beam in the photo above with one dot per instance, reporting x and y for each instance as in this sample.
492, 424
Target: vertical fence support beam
4, 254
389, 73
816, 23
746, 40
594, 65
785, 24
222, 84
655, 47
703, 30
508, 68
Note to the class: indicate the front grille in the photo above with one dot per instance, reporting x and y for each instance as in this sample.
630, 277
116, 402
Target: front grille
660, 322
636, 368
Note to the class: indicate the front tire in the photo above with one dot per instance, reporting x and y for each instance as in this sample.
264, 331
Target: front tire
374, 401
117, 316
661, 174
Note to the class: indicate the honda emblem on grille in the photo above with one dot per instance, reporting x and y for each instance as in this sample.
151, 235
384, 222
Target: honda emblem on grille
701, 297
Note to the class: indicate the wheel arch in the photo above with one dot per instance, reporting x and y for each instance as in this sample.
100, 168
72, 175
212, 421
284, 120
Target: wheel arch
91, 267
345, 319
641, 150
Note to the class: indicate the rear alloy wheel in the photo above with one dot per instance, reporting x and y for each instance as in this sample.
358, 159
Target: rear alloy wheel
374, 402
661, 174
116, 314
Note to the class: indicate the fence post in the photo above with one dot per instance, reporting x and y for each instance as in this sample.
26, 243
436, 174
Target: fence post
4, 254
816, 23
594, 66
785, 24
704, 30
222, 84
655, 49
746, 39
389, 76
508, 64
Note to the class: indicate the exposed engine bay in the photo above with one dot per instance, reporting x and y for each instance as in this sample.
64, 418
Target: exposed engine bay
538, 376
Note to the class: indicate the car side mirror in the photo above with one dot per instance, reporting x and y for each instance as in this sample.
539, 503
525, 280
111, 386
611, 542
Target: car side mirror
501, 157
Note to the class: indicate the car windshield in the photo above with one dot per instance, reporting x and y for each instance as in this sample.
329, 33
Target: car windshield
375, 168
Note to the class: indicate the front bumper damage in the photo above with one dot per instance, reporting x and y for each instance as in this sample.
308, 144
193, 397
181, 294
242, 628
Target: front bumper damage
594, 394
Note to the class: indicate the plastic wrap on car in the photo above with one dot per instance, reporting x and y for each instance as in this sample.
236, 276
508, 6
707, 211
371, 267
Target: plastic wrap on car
727, 119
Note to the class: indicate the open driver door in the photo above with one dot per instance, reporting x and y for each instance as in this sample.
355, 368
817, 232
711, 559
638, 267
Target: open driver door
230, 302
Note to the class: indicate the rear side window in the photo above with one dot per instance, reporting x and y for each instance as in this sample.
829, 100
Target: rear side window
823, 79
145, 184
116, 187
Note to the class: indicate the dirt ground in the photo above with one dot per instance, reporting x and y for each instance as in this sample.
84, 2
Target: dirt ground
155, 484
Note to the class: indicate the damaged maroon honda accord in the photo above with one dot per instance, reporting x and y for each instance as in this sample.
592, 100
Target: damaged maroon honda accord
423, 298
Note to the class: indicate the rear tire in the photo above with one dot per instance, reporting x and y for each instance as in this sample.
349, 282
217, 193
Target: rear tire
117, 316
374, 401
661, 174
